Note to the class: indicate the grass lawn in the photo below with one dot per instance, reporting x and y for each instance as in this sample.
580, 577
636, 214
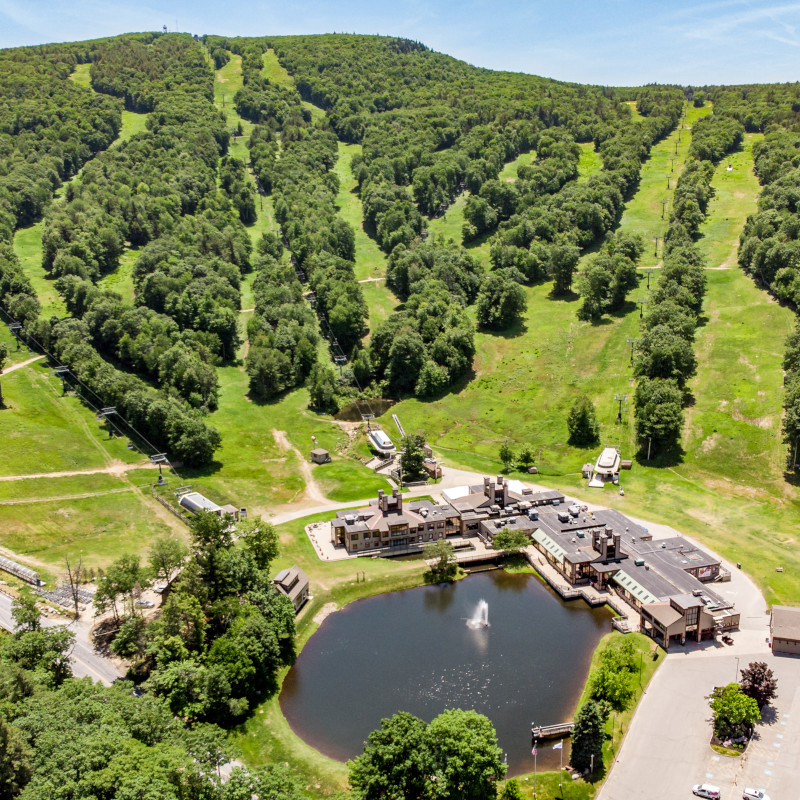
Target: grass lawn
99, 528
121, 280
81, 76
44, 432
252, 470
28, 247
370, 259
132, 123
590, 162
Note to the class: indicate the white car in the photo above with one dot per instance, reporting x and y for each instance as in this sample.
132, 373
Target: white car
706, 790
755, 794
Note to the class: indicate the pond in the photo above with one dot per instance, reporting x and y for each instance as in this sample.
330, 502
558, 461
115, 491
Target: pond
414, 651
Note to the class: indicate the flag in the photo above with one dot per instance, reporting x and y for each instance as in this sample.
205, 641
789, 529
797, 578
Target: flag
558, 746
533, 752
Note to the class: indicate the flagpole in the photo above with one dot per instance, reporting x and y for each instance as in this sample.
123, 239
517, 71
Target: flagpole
535, 752
560, 768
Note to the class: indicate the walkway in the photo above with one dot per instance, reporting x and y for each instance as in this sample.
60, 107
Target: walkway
118, 468
21, 364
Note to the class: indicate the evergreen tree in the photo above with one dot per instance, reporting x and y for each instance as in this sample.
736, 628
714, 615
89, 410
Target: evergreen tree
588, 736
584, 430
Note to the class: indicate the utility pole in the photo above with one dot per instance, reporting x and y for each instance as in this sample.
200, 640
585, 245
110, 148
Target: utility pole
649, 443
656, 240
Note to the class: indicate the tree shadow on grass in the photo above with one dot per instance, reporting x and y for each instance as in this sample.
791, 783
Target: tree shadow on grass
671, 457
565, 297
513, 331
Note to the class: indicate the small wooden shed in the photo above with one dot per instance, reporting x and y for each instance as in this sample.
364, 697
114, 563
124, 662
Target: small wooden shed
320, 456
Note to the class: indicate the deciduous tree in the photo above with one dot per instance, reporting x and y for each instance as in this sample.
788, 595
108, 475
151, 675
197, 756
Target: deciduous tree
759, 682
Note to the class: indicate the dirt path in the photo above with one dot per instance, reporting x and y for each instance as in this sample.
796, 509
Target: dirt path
312, 491
118, 468
26, 500
21, 364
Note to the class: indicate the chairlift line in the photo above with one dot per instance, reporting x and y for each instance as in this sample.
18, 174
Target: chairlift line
44, 350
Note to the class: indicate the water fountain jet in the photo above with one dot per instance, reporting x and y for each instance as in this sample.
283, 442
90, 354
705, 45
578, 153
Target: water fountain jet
480, 619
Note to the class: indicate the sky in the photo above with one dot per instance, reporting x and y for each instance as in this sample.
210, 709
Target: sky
609, 42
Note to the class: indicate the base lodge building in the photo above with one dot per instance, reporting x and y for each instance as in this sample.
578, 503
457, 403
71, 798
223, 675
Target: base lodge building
665, 580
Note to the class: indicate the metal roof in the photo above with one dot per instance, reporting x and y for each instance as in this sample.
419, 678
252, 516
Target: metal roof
633, 586
552, 546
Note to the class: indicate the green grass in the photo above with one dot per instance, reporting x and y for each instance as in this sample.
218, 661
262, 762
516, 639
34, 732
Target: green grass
121, 280
228, 80
370, 260
81, 76
99, 529
274, 71
643, 212
590, 162
634, 110
132, 123
509, 171
28, 247
253, 471
44, 432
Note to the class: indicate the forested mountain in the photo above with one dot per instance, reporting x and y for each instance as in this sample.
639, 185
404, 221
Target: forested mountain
429, 126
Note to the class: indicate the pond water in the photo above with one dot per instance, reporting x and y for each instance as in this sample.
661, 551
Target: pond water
414, 651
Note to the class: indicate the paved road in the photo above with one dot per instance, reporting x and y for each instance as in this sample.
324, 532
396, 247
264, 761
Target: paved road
86, 661
666, 750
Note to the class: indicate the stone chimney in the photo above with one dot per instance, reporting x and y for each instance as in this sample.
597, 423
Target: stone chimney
617, 538
398, 500
489, 489
382, 500
603, 547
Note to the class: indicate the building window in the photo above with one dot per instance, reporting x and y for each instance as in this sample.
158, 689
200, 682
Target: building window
692, 616
354, 537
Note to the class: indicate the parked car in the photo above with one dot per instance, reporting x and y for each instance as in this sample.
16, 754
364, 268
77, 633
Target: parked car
145, 603
755, 794
727, 638
706, 790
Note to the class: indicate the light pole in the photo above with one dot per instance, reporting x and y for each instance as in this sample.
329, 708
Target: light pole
736, 676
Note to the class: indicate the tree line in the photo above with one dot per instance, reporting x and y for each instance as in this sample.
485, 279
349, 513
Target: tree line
157, 191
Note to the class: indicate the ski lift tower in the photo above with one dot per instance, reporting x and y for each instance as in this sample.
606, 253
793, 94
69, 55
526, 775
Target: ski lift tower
15, 328
159, 458
62, 372
620, 398
106, 414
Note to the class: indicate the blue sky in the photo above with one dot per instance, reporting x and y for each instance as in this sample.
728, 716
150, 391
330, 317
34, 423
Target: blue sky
613, 42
